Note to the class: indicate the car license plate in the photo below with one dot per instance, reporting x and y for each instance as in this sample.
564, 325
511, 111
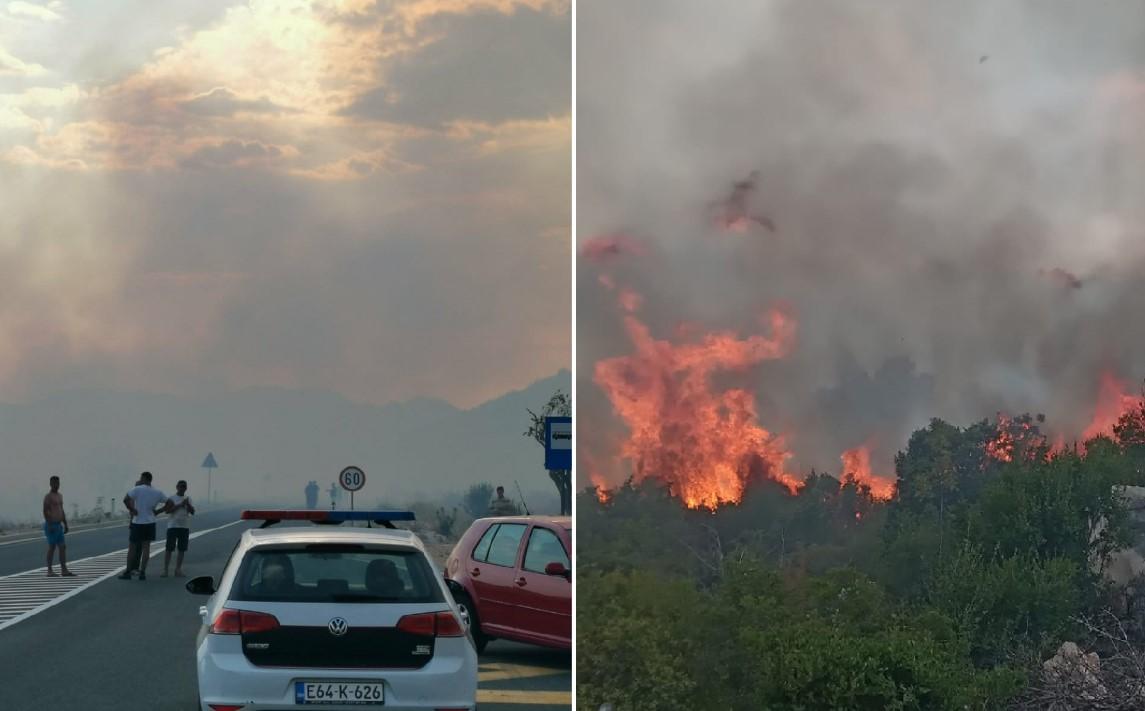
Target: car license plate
339, 692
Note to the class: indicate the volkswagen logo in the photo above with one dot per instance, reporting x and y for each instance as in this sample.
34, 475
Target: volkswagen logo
338, 627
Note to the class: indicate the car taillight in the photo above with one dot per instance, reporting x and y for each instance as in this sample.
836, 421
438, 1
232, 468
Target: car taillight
431, 624
254, 622
242, 621
448, 626
228, 622
421, 625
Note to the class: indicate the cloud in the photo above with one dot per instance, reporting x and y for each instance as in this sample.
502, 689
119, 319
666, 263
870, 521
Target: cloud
221, 101
410, 14
15, 67
247, 232
39, 12
486, 67
236, 153
355, 167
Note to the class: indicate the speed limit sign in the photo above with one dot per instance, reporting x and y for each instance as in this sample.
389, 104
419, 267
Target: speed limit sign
352, 479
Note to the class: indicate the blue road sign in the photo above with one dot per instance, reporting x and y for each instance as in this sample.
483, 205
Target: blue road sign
558, 443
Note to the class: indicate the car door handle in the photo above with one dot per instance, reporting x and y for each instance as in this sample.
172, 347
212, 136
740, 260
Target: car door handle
521, 582
476, 572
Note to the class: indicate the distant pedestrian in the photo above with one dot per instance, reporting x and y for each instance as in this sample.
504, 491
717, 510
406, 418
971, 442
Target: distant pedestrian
141, 502
178, 528
312, 495
55, 527
501, 506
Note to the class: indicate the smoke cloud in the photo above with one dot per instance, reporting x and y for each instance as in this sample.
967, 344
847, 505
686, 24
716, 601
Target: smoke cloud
955, 237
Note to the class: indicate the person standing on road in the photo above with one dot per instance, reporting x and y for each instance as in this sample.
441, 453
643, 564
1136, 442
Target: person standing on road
55, 527
178, 530
141, 502
501, 506
312, 495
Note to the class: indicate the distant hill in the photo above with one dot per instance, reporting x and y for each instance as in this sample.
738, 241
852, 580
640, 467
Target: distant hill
268, 442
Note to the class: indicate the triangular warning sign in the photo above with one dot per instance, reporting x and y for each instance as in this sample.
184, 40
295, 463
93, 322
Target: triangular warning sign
209, 462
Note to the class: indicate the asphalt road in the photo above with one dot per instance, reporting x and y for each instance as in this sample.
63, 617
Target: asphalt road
27, 550
130, 644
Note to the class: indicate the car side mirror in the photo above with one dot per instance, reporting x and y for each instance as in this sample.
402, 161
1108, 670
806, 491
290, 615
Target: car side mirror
557, 569
203, 585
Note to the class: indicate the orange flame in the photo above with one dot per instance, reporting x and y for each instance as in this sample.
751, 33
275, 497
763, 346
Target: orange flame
1113, 401
1020, 437
705, 445
1001, 447
857, 468
603, 495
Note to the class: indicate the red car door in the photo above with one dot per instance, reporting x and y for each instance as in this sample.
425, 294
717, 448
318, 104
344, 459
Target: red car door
544, 601
493, 573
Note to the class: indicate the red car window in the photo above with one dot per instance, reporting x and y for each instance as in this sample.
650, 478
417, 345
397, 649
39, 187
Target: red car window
544, 548
506, 543
482, 548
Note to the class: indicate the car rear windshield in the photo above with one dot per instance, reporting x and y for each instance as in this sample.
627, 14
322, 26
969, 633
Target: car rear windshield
336, 573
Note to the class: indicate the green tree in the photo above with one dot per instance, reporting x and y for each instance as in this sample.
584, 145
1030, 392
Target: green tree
1003, 604
444, 521
476, 499
633, 637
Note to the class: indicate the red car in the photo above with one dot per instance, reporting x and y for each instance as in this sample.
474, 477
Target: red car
511, 576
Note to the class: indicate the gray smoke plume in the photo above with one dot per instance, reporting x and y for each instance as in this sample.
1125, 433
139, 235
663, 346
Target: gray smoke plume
956, 237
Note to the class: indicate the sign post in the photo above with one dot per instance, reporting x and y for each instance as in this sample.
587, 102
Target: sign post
210, 465
558, 443
352, 479
558, 458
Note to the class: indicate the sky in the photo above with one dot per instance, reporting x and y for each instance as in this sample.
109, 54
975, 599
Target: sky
955, 191
365, 197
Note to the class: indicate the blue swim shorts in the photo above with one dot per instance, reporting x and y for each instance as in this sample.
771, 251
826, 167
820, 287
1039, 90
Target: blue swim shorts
54, 532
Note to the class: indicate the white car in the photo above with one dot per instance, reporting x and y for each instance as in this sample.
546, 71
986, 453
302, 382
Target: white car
332, 619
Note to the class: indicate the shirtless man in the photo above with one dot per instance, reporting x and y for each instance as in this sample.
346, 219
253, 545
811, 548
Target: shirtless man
55, 526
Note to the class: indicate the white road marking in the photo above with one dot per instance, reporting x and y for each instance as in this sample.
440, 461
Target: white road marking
29, 593
40, 538
121, 523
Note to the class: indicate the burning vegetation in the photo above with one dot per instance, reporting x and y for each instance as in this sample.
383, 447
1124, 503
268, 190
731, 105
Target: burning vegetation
857, 468
979, 561
705, 444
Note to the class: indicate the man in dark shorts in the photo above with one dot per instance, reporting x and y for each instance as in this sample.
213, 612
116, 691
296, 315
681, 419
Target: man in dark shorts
178, 528
141, 502
55, 526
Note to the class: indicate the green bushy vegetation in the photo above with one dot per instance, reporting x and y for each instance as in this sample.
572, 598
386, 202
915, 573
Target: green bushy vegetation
947, 596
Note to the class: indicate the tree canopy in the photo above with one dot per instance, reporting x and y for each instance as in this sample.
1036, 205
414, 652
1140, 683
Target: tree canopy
948, 595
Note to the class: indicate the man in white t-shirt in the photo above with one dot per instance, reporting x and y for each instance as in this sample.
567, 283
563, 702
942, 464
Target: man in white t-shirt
142, 502
178, 528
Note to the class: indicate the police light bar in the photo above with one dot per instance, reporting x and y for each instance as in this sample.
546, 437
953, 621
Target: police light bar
329, 518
